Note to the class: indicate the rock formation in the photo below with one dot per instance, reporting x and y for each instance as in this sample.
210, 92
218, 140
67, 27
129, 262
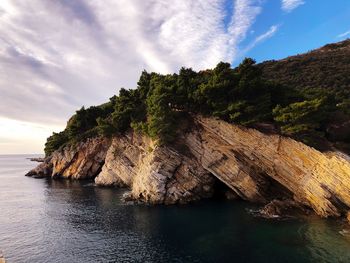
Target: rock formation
253, 166
154, 174
82, 160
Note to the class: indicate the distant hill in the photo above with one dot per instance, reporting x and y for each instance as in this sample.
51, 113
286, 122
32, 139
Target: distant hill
327, 67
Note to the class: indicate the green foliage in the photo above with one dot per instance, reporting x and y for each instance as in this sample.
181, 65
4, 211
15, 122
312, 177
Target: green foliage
84, 120
161, 116
303, 120
344, 105
326, 68
126, 109
55, 141
241, 95
215, 93
82, 125
140, 127
104, 127
252, 97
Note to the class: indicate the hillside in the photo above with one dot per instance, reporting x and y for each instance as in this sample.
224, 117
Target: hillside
327, 67
324, 70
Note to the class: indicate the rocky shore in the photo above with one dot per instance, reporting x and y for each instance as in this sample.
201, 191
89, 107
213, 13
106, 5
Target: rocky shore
212, 158
38, 159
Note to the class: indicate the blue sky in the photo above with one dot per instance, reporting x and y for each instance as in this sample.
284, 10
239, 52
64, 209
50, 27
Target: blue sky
56, 56
309, 26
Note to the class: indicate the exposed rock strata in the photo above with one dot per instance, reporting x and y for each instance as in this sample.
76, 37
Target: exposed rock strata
256, 167
83, 160
154, 174
253, 164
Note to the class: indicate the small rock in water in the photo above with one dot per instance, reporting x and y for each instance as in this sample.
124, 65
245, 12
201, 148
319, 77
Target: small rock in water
127, 197
345, 232
282, 209
37, 159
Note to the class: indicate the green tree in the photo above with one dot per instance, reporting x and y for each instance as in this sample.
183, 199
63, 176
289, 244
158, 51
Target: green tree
214, 95
128, 107
304, 119
251, 97
54, 142
161, 118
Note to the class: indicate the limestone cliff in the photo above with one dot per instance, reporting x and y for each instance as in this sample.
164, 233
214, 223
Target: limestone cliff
78, 161
154, 174
254, 166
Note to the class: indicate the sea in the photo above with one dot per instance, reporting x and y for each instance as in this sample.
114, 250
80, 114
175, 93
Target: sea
58, 221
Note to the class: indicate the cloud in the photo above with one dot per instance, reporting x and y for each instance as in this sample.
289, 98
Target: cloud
268, 34
245, 13
290, 5
22, 137
345, 34
56, 56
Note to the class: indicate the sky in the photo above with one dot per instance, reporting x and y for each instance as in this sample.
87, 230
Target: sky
56, 56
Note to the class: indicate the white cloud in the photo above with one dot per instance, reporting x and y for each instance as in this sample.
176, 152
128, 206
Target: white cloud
56, 56
268, 34
345, 34
290, 5
245, 13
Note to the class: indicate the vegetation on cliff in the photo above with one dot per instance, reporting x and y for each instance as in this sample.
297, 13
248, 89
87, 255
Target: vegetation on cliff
327, 68
239, 95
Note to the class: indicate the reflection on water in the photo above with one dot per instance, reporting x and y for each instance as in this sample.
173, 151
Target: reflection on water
66, 221
325, 243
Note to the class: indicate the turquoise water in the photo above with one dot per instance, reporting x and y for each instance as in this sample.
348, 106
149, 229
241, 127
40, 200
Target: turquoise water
61, 221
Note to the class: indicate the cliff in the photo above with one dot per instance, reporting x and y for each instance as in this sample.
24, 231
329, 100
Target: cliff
211, 158
77, 161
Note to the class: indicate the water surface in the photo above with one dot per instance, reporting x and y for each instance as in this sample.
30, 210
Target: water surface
61, 221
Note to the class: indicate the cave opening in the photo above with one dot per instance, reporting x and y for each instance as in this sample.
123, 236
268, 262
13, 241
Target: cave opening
222, 192
276, 190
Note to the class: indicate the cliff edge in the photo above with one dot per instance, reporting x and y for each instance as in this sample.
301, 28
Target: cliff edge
241, 162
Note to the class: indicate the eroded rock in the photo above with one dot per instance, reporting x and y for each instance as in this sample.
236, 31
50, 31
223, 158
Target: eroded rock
154, 174
83, 160
283, 208
44, 169
318, 180
254, 166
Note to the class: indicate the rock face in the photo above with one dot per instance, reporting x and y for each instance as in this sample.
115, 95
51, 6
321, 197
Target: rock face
44, 169
259, 166
213, 156
81, 161
155, 174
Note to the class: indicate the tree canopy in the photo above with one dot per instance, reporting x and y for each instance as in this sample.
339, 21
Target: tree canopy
238, 95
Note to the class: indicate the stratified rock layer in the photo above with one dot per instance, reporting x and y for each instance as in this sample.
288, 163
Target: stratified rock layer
255, 167
83, 160
154, 174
